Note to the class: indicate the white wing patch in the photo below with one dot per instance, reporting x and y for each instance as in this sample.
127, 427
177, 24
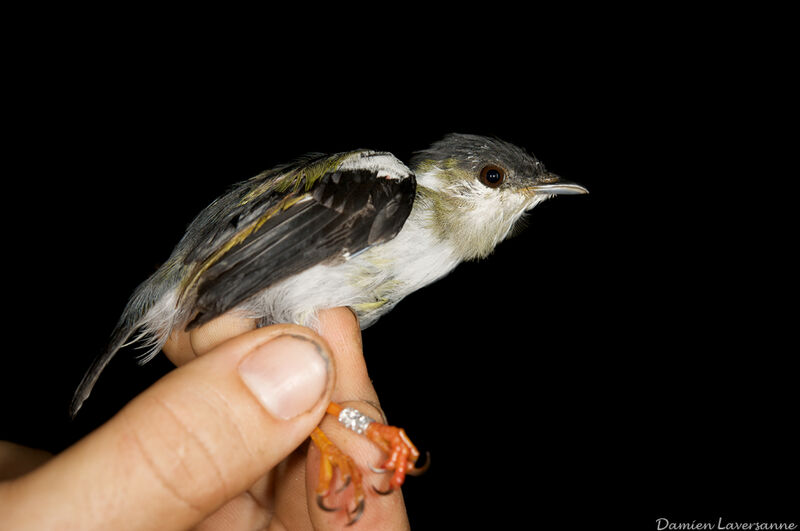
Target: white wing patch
384, 164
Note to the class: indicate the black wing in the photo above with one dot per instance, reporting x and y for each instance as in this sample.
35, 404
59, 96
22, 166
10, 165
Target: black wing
341, 212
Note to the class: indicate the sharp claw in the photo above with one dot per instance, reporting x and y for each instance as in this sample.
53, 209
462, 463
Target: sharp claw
416, 471
358, 511
321, 504
377, 470
383, 492
346, 483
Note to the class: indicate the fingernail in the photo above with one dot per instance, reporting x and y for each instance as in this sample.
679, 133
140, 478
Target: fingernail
288, 375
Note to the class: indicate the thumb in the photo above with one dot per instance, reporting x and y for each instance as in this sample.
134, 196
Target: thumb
197, 438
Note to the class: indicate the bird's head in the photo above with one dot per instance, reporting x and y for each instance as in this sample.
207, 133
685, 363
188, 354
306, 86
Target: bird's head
471, 190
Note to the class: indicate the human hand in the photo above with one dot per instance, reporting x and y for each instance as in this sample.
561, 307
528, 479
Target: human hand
212, 444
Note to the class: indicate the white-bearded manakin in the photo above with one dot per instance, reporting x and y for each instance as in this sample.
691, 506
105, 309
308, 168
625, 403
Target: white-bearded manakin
358, 229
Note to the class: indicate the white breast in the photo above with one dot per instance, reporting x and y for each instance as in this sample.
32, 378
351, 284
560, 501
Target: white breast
371, 282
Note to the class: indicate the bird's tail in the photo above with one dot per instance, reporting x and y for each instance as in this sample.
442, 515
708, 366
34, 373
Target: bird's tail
147, 320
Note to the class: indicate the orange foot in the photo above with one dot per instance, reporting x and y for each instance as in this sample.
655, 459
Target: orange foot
333, 458
393, 441
402, 454
401, 461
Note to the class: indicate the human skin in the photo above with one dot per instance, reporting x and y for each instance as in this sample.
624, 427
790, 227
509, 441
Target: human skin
210, 446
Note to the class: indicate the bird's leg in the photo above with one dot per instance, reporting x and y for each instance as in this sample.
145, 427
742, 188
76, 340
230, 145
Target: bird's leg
402, 458
333, 457
401, 452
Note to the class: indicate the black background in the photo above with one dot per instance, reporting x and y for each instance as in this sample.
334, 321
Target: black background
620, 360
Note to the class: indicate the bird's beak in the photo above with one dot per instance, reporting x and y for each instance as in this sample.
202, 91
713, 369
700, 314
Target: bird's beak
552, 184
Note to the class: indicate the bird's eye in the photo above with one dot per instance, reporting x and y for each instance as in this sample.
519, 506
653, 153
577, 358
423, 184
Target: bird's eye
492, 176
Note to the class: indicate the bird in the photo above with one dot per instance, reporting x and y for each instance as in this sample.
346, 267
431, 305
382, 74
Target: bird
359, 229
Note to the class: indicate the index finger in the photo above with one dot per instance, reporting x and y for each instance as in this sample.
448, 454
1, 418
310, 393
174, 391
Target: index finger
182, 346
341, 330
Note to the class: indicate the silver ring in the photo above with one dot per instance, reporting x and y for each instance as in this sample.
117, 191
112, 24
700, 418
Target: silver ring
354, 420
